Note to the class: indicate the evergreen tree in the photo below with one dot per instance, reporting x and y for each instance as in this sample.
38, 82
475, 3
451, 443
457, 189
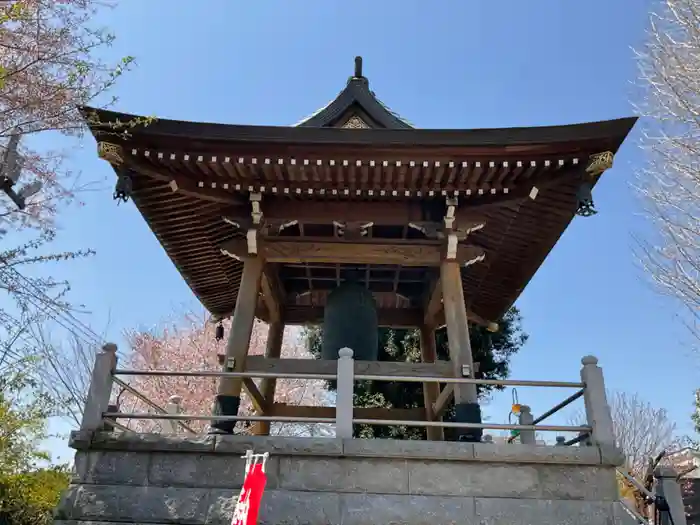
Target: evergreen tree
492, 351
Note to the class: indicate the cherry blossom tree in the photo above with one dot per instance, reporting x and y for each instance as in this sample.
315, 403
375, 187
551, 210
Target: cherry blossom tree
50, 67
191, 345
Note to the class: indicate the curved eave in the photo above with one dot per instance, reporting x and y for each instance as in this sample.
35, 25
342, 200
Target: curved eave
195, 134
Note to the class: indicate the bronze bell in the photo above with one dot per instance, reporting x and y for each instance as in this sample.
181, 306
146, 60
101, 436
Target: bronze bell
350, 320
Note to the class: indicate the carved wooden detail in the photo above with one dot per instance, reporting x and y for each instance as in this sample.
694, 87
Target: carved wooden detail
355, 122
600, 162
112, 153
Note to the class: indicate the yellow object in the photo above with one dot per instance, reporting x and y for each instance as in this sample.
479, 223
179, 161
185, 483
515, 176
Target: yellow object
515, 409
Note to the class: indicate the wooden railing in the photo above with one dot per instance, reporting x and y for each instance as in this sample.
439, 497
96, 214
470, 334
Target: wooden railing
346, 371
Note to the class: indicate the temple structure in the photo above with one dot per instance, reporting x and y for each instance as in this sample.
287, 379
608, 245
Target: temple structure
434, 226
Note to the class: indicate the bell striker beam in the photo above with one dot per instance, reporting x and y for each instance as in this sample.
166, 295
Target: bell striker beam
228, 397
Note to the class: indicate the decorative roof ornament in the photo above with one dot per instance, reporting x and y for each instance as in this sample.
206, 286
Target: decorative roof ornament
356, 94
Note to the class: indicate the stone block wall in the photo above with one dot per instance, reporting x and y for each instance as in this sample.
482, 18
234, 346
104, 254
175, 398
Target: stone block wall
155, 479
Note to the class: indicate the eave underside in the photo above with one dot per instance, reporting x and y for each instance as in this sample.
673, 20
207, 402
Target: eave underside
185, 188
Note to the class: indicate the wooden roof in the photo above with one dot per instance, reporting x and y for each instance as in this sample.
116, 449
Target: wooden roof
356, 106
192, 183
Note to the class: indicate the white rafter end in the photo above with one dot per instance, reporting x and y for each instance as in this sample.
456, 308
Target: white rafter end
533, 192
173, 185
231, 222
232, 255
475, 260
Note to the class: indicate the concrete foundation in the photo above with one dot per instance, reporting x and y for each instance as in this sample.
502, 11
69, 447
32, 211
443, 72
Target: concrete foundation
158, 479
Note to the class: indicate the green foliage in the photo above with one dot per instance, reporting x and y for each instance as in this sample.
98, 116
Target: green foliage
492, 351
28, 498
28, 491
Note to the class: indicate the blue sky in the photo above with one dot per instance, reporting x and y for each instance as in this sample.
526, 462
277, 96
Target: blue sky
440, 64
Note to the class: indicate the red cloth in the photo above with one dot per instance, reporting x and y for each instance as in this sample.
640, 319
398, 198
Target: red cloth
248, 505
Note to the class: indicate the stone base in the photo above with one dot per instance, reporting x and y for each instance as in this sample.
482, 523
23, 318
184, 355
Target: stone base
158, 479
225, 406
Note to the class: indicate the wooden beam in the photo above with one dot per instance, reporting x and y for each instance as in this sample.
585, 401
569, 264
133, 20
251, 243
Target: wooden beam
258, 363
430, 388
255, 396
440, 404
398, 253
273, 349
388, 213
433, 306
388, 317
404, 414
272, 294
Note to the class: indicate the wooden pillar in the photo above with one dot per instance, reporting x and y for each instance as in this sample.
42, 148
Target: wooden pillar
466, 403
273, 349
228, 397
431, 390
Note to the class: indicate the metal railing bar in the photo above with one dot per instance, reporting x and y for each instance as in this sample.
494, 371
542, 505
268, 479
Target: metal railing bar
212, 373
577, 439
633, 513
357, 377
150, 403
193, 417
557, 408
468, 380
452, 424
119, 426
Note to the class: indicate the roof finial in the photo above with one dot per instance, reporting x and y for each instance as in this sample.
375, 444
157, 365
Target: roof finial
358, 67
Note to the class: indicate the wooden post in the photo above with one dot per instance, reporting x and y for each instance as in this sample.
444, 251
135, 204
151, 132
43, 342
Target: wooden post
431, 390
273, 349
228, 397
467, 408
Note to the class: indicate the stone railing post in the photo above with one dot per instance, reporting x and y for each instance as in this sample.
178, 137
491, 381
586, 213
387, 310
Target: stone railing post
527, 437
596, 401
667, 485
174, 406
100, 388
344, 398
